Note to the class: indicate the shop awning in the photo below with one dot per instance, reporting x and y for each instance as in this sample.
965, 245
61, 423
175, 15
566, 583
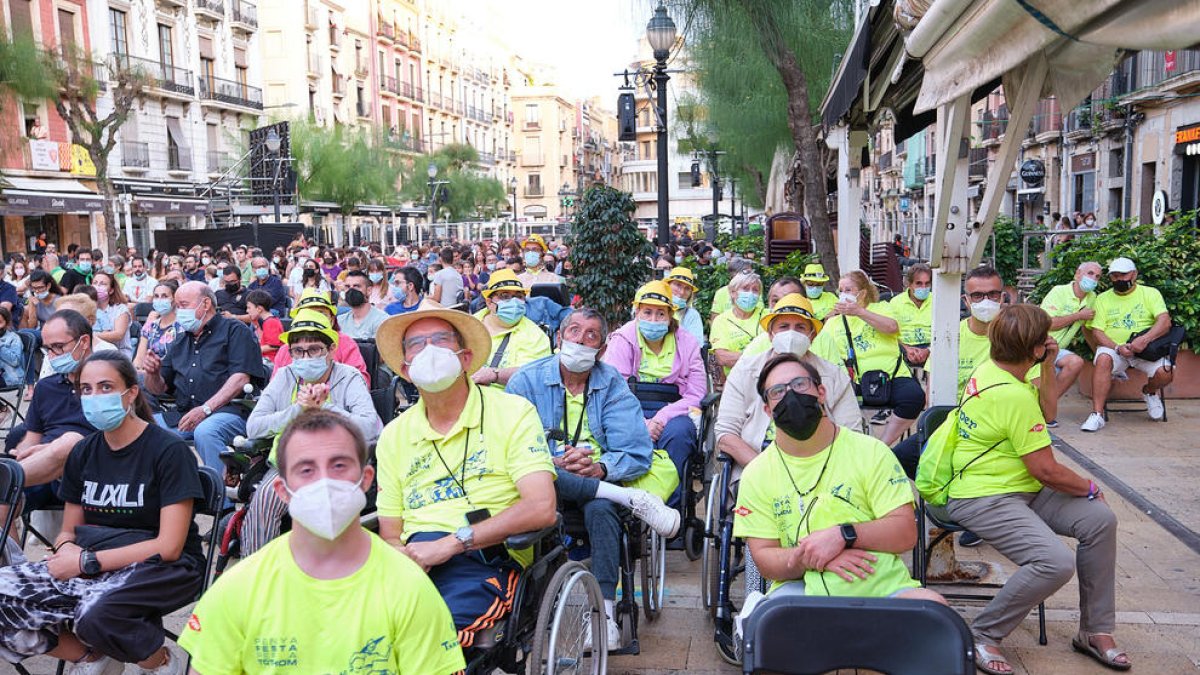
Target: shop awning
159, 204
47, 195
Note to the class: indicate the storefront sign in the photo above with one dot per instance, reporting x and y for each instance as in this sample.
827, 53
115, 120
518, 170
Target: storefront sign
52, 203
169, 206
43, 155
1033, 172
1158, 207
1083, 163
1187, 141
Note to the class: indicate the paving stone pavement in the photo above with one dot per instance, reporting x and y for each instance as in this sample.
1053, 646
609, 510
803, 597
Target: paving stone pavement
1158, 575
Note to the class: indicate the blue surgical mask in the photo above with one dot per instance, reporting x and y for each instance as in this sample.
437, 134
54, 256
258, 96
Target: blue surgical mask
83, 266
186, 318
375, 277
1088, 284
679, 302
43, 295
64, 363
261, 272
491, 267
162, 305
814, 292
747, 300
510, 311
310, 369
678, 260
399, 291
652, 330
532, 258
921, 294
104, 411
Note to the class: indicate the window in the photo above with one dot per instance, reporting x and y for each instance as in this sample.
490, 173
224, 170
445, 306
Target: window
533, 151
66, 31
685, 180
535, 183
532, 116
166, 49
22, 18
207, 73
117, 32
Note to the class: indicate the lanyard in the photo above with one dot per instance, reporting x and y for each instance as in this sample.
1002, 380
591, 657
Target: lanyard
460, 481
802, 495
579, 424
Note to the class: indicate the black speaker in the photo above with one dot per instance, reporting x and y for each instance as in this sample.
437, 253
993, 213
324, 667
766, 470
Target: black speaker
626, 117
696, 174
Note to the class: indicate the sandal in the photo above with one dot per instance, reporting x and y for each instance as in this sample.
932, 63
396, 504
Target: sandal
985, 654
1082, 643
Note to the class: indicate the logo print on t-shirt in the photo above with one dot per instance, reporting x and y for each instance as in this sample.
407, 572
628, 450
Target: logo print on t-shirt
101, 496
370, 659
1039, 427
742, 511
194, 623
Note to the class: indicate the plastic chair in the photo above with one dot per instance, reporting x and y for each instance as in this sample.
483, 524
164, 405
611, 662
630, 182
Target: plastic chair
799, 635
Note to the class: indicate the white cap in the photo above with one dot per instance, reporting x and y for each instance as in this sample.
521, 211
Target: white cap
1121, 266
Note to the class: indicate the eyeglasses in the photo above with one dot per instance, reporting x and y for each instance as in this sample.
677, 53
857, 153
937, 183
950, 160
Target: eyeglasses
60, 348
800, 385
310, 353
445, 338
990, 295
575, 331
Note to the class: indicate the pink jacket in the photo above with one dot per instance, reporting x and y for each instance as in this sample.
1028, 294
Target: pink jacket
687, 372
346, 352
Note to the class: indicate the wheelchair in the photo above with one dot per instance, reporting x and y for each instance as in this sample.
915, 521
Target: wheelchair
556, 605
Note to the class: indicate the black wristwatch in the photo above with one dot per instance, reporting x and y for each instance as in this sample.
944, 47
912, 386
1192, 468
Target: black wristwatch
849, 535
89, 564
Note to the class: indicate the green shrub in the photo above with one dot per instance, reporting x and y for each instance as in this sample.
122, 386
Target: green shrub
608, 253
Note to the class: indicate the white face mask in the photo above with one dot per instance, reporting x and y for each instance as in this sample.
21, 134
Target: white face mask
791, 342
848, 297
985, 310
435, 369
577, 358
327, 507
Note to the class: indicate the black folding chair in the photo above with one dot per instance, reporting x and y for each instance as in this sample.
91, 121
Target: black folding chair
12, 486
1176, 336
29, 351
380, 373
141, 311
802, 635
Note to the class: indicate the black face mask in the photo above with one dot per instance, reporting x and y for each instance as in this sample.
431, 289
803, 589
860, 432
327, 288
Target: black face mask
309, 272
355, 298
798, 415
232, 288
1122, 285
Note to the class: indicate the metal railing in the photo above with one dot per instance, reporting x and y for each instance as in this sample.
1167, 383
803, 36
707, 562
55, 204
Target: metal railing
363, 107
218, 161
168, 78
402, 37
135, 154
977, 162
406, 89
418, 94
245, 13
1147, 69
213, 6
533, 191
435, 100
487, 158
386, 30
414, 42
388, 84
174, 157
231, 92
1046, 117
314, 63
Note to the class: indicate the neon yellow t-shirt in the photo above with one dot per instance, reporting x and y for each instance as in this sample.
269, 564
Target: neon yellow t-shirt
655, 367
915, 322
873, 350
265, 615
862, 482
575, 414
761, 343
528, 343
1061, 301
722, 303
1008, 414
507, 443
1120, 316
973, 350
731, 333
823, 305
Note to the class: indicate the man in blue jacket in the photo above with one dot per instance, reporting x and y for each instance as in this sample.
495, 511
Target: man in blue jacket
600, 445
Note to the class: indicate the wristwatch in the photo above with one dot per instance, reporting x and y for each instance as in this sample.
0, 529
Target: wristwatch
207, 410
89, 564
466, 537
849, 535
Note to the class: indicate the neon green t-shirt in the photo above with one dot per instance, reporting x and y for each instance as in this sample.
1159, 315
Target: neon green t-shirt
265, 615
731, 333
1008, 414
423, 474
528, 343
1120, 316
862, 482
873, 350
722, 303
654, 367
760, 344
1061, 301
973, 350
576, 413
823, 305
915, 322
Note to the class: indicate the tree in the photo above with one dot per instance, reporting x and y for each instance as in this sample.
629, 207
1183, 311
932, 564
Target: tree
736, 43
608, 253
340, 166
468, 195
22, 76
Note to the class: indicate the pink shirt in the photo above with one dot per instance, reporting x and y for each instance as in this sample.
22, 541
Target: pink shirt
346, 352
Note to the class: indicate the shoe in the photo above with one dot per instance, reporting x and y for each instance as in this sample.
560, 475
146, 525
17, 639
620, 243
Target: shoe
105, 665
651, 510
1154, 406
614, 635
1052, 424
969, 539
173, 666
1094, 422
881, 417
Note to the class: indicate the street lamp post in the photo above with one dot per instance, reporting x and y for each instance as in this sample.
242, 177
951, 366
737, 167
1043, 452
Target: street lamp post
660, 33
273, 143
512, 187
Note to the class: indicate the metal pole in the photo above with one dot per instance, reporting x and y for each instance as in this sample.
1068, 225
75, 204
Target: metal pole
660, 83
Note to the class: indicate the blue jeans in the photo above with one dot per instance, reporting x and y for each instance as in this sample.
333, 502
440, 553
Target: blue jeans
603, 521
679, 440
211, 435
31, 373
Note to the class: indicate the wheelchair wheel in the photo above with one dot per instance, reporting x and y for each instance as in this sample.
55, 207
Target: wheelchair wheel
654, 574
708, 557
570, 608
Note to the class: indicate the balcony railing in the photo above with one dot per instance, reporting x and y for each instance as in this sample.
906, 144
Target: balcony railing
977, 162
885, 161
533, 191
414, 42
388, 84
994, 124
406, 89
310, 16
215, 8
135, 154
402, 37
178, 159
314, 64
168, 78
1046, 118
435, 100
245, 13
231, 92
512, 156
418, 94
386, 31
363, 107
931, 165
487, 158
404, 144
1148, 69
219, 161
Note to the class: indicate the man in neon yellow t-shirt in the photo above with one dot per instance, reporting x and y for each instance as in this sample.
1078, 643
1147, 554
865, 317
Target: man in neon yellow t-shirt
814, 279
327, 572
1070, 307
515, 339
914, 312
1127, 310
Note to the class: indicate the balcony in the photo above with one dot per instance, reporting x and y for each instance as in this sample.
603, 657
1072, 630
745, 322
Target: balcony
435, 100
532, 160
1046, 120
512, 156
244, 17
173, 3
360, 70
533, 191
335, 38
169, 79
339, 86
977, 163
404, 144
994, 124
406, 89
418, 95
885, 162
387, 85
363, 107
219, 162
231, 93
135, 155
532, 125
402, 38
386, 33
1174, 70
314, 66
178, 159
310, 18
414, 42
213, 9
459, 109
931, 166
487, 158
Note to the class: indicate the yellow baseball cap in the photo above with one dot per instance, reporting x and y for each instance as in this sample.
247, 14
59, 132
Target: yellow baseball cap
683, 275
814, 272
792, 304
503, 280
535, 239
655, 294
309, 321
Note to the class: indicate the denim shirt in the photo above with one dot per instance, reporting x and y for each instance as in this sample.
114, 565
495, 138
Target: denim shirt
614, 414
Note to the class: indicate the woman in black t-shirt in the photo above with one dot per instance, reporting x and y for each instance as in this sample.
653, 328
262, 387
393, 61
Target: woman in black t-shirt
129, 551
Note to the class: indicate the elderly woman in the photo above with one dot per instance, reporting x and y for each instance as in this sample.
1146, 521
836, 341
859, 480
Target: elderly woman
1007, 487
859, 319
651, 348
734, 328
683, 290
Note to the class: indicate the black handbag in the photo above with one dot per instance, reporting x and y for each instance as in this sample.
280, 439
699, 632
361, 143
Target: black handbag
874, 387
1161, 347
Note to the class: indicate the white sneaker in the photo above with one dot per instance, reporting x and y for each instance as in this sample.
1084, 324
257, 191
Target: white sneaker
105, 665
614, 635
651, 510
173, 666
1154, 406
1094, 422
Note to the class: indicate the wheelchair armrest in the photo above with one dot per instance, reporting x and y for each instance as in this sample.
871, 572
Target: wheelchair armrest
710, 400
724, 458
527, 539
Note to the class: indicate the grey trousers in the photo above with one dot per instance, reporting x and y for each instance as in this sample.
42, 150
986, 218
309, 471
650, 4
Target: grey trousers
1023, 527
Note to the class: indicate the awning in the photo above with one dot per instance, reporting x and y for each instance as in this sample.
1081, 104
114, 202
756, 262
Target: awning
47, 195
181, 206
847, 83
184, 151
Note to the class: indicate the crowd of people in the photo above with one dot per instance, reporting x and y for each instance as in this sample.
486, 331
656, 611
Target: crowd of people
522, 408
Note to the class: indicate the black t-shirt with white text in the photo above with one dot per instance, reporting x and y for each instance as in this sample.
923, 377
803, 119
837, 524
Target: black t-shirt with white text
127, 488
